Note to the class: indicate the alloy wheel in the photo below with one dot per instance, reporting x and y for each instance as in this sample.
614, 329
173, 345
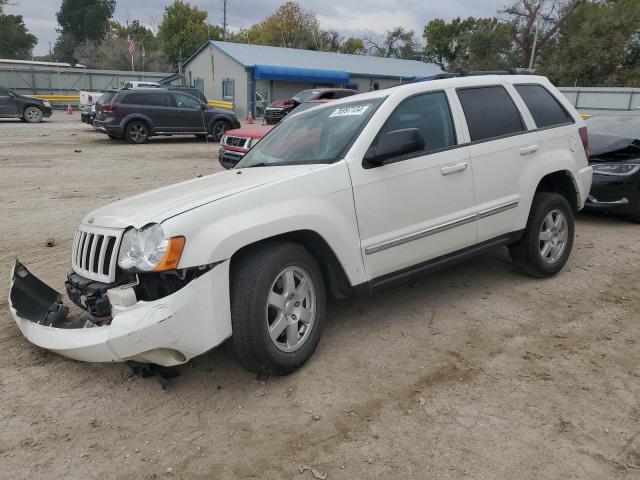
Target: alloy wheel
553, 236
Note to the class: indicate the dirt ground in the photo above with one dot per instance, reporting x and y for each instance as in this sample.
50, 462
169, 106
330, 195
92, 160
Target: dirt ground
473, 372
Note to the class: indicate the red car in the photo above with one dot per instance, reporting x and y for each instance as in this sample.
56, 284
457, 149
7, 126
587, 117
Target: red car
276, 111
235, 143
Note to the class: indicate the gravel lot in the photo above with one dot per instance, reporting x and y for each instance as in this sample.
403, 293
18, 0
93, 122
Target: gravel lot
473, 372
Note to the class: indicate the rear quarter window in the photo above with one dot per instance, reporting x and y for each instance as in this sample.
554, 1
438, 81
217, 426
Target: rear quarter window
543, 106
490, 112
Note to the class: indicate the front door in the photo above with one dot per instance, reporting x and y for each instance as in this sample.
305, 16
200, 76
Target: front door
190, 113
416, 208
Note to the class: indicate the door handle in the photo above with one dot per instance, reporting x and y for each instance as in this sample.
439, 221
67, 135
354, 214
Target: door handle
450, 169
529, 150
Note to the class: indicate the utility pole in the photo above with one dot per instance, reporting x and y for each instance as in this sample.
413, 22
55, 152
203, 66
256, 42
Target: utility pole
535, 37
224, 20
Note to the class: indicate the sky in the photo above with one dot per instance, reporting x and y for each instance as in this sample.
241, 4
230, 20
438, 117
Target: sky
349, 17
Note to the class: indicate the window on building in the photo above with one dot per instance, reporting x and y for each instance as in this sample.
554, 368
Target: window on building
430, 114
490, 112
228, 89
545, 109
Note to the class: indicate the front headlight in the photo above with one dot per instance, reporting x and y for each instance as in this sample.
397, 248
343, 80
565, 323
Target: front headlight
616, 169
147, 250
46, 104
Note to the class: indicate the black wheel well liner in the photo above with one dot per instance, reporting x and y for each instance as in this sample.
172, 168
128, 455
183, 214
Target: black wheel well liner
335, 278
136, 118
562, 183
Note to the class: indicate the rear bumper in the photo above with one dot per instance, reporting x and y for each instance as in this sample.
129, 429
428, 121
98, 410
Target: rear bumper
168, 331
105, 126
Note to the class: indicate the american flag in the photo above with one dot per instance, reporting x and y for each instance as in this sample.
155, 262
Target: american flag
131, 43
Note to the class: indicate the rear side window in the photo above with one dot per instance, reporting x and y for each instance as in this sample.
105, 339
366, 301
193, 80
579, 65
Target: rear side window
430, 114
545, 109
490, 112
151, 99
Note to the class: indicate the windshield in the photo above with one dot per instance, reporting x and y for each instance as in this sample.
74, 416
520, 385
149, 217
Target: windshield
304, 95
320, 135
627, 126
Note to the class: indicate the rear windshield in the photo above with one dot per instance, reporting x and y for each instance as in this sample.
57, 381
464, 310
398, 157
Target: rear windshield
106, 97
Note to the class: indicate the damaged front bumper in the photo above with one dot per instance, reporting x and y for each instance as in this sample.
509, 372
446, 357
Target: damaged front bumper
168, 331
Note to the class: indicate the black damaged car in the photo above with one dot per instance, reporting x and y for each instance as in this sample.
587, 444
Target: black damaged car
614, 154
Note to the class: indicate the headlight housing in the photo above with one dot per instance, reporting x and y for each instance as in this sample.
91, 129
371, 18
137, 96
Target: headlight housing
615, 169
148, 250
46, 104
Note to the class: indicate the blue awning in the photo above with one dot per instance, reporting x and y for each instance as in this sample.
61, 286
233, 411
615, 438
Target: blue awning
293, 74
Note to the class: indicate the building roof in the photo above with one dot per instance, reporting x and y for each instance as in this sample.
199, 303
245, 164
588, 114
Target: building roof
38, 62
251, 55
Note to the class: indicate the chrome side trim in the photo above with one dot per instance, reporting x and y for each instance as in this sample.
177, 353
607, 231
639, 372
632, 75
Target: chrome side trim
440, 228
499, 209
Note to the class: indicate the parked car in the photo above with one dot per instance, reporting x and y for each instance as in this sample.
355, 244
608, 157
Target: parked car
27, 109
140, 84
139, 114
261, 103
235, 143
276, 111
614, 154
88, 113
388, 185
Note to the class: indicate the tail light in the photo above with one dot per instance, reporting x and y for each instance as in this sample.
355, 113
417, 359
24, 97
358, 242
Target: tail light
585, 139
108, 108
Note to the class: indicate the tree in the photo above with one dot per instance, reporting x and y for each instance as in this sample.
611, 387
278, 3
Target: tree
397, 43
15, 40
183, 30
290, 26
597, 45
445, 41
547, 16
81, 20
353, 45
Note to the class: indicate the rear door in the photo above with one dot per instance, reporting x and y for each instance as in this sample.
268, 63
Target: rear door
154, 105
190, 115
498, 148
8, 104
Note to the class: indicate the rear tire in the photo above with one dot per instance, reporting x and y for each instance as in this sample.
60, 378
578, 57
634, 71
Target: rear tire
32, 115
278, 307
548, 238
137, 131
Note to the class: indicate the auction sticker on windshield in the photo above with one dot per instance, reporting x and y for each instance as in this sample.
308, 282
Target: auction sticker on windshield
353, 110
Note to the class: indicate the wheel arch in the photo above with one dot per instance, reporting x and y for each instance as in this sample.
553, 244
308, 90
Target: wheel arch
335, 277
563, 183
136, 116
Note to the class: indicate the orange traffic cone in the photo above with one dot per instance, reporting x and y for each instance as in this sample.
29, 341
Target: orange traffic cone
250, 120
69, 110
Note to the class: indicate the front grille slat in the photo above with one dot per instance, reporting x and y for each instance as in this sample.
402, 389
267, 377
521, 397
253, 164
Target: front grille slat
94, 253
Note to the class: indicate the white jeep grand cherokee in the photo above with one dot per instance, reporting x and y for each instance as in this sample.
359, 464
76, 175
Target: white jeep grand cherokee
356, 194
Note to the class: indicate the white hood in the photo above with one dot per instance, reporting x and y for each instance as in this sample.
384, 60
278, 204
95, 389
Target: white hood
155, 206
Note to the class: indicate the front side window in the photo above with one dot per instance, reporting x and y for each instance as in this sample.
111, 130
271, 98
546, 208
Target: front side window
430, 114
319, 135
186, 101
490, 112
544, 108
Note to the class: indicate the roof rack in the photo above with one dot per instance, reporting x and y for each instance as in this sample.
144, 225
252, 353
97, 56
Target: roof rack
463, 72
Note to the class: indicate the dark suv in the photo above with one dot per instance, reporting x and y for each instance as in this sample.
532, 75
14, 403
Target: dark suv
27, 109
140, 113
276, 111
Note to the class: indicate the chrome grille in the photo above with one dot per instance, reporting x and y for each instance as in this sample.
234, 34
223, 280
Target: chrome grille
236, 141
95, 252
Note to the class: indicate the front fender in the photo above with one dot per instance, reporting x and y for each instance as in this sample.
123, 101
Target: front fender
319, 200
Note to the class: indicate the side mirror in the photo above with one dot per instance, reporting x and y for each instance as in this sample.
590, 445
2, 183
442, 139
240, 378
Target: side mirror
395, 143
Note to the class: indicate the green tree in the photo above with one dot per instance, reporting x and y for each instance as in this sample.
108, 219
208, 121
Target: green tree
81, 20
353, 45
445, 41
182, 31
596, 46
15, 40
290, 26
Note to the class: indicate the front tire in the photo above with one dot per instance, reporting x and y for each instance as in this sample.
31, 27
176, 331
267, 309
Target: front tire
278, 307
32, 115
137, 131
548, 238
218, 129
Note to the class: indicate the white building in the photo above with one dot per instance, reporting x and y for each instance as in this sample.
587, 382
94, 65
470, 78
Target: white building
240, 73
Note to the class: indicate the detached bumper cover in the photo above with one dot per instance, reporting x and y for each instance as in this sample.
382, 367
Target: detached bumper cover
614, 194
168, 331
